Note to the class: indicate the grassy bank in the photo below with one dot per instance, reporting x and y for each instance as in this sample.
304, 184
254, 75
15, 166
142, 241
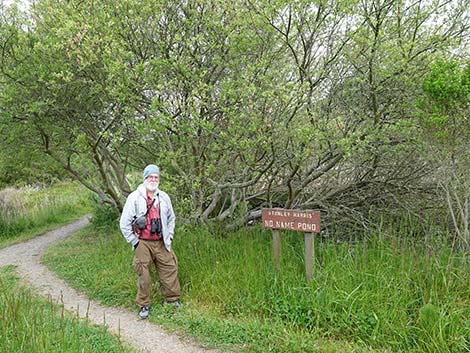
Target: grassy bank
31, 324
26, 212
382, 295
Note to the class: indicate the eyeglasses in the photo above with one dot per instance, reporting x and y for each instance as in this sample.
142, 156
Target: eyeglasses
153, 177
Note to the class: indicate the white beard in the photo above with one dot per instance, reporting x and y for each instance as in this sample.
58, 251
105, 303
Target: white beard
151, 185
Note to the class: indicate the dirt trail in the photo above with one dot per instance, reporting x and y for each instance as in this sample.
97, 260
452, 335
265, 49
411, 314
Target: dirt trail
141, 334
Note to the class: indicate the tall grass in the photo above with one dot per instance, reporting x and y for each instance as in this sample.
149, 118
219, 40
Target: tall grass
32, 324
27, 211
388, 293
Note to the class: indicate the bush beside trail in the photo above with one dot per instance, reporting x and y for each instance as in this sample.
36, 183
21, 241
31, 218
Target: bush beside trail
32, 324
28, 211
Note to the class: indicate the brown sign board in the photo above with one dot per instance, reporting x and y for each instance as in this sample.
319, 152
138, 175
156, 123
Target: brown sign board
306, 221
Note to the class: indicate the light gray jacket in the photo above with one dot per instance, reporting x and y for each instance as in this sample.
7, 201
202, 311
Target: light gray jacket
136, 205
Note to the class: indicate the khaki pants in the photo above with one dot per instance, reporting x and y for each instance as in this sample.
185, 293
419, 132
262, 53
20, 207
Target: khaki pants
149, 251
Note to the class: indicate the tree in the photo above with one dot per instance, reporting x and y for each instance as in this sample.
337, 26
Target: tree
246, 104
66, 87
445, 119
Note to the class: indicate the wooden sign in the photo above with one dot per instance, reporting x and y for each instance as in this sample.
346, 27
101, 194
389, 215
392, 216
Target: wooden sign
304, 221
299, 220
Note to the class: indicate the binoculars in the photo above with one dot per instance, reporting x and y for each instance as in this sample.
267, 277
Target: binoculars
156, 226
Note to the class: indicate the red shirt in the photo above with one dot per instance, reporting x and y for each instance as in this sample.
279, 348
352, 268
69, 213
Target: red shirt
154, 212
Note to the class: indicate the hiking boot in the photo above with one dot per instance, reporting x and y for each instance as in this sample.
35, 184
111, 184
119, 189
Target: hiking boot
144, 312
176, 303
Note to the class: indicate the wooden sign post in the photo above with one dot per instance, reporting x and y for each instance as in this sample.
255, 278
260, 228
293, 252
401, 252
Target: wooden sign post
299, 220
276, 247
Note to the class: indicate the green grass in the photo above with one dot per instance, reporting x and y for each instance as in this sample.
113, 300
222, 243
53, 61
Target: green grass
29, 323
392, 295
27, 212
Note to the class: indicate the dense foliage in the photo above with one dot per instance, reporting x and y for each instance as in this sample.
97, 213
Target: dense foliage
245, 104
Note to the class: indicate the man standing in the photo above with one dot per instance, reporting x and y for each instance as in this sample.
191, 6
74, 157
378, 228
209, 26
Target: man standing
148, 223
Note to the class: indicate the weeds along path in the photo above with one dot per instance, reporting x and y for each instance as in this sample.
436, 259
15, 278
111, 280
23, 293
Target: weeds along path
143, 335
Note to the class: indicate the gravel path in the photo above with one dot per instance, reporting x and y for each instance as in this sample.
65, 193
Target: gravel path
141, 334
